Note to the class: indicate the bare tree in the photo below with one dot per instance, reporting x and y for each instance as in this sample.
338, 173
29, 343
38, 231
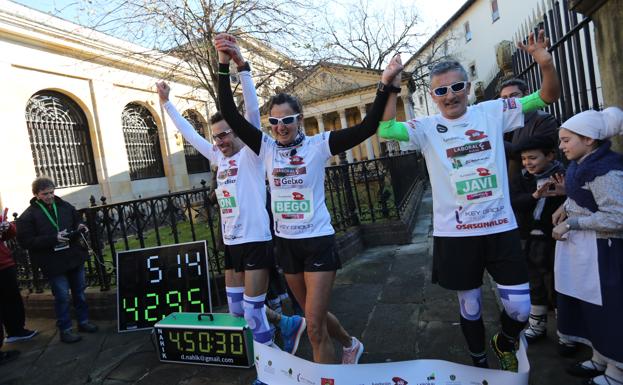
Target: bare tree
186, 29
368, 36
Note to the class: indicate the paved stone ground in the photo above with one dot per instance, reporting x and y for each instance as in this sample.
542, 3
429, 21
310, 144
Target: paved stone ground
383, 296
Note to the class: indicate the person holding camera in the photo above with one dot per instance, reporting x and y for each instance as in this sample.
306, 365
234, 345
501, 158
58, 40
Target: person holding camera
50, 229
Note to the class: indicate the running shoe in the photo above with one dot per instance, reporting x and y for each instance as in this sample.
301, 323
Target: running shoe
291, 330
21, 336
508, 360
353, 354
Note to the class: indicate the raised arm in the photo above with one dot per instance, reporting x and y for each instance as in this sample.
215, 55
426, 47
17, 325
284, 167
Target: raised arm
251, 105
342, 140
249, 134
188, 131
550, 86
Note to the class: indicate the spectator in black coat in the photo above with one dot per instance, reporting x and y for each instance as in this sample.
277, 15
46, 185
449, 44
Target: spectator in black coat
536, 123
536, 192
50, 229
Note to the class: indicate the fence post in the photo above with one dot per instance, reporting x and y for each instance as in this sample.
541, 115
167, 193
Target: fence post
96, 247
351, 207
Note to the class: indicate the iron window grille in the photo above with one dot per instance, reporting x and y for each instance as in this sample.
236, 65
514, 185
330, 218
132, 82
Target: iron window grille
60, 140
141, 142
195, 162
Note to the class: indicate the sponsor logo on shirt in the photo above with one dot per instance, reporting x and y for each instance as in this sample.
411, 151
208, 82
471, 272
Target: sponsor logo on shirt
470, 148
509, 104
475, 215
482, 225
475, 134
232, 163
296, 160
441, 128
227, 173
477, 187
287, 181
289, 171
452, 138
456, 163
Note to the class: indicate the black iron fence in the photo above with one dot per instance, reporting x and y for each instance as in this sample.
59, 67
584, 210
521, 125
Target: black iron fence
572, 41
363, 192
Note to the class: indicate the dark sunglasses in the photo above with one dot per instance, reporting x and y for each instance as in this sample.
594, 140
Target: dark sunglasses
221, 135
285, 120
456, 88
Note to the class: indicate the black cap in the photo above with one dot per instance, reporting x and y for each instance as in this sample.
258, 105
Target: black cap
537, 142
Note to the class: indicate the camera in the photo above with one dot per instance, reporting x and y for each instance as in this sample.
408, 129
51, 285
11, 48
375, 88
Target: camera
75, 234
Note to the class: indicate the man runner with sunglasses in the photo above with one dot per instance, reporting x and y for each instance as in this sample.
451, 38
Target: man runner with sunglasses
245, 224
474, 225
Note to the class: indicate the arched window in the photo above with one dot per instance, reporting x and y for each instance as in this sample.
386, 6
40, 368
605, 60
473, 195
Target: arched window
60, 140
195, 162
141, 142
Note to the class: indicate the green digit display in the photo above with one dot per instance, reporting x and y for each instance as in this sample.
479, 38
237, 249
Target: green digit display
188, 338
132, 309
204, 342
152, 307
235, 343
196, 301
221, 341
175, 339
175, 304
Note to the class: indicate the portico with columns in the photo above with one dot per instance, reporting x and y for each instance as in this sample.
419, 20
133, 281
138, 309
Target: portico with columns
336, 96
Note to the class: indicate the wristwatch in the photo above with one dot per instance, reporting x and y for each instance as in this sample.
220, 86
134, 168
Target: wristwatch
244, 67
387, 88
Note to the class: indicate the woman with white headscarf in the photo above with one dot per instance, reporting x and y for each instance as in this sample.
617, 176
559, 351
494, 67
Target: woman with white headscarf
589, 251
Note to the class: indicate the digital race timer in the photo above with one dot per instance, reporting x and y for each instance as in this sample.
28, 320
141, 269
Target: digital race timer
155, 282
206, 339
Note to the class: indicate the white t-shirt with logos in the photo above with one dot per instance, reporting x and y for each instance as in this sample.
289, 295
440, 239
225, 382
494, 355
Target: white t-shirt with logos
296, 177
241, 190
467, 167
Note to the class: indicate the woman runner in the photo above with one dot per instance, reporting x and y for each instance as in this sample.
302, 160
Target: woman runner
295, 165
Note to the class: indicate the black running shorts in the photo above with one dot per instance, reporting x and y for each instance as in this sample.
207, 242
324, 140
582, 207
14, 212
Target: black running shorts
308, 254
249, 256
459, 262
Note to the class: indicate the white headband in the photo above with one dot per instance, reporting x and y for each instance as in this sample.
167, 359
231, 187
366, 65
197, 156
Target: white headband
597, 124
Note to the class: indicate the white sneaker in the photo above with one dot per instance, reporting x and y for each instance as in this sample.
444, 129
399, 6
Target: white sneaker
353, 354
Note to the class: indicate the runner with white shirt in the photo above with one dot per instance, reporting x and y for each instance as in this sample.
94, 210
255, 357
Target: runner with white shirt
474, 225
244, 220
295, 164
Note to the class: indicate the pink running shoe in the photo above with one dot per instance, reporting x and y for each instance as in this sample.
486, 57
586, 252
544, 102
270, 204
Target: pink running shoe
353, 354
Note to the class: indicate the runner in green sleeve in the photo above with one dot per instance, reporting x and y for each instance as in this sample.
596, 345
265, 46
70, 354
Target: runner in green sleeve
474, 225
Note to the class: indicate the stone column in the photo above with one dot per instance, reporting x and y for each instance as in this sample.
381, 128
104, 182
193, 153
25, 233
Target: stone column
369, 148
320, 121
407, 106
344, 123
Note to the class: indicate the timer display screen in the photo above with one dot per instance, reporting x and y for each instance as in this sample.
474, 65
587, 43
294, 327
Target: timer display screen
155, 282
205, 342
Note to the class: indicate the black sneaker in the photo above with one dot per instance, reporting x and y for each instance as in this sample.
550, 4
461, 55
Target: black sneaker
87, 327
580, 370
21, 336
8, 356
69, 337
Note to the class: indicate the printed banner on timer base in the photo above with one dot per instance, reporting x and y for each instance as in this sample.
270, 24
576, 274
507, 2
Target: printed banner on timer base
275, 367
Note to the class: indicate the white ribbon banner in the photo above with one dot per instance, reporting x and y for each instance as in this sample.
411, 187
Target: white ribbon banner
275, 367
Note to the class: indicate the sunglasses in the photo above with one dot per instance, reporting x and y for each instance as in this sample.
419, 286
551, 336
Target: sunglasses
285, 120
221, 135
456, 88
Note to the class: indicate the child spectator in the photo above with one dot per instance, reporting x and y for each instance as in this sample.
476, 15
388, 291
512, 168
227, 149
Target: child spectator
589, 254
535, 196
